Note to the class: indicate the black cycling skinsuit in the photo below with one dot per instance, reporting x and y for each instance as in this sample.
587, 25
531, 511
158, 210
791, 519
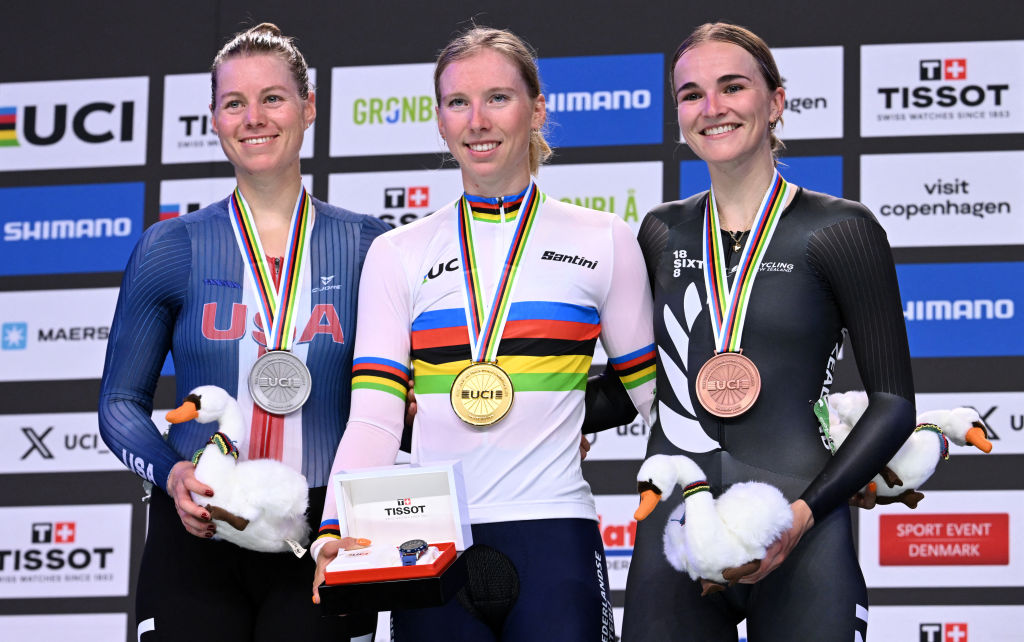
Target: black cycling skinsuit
828, 267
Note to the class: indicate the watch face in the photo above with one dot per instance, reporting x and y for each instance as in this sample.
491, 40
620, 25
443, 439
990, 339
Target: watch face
413, 546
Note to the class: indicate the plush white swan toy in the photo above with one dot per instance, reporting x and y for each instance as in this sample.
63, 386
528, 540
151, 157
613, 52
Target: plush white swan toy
730, 532
915, 461
258, 504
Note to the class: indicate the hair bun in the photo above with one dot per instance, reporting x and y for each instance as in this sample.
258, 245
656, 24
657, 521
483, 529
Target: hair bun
266, 27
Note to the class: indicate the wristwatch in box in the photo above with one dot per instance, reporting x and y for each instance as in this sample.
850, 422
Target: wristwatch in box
411, 551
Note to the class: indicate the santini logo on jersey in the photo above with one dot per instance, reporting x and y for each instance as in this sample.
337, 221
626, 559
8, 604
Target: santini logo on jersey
566, 258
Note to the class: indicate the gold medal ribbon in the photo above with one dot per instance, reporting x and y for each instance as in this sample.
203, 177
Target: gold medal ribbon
485, 325
278, 306
728, 306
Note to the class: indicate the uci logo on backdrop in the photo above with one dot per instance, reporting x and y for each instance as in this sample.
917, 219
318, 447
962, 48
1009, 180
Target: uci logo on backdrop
73, 123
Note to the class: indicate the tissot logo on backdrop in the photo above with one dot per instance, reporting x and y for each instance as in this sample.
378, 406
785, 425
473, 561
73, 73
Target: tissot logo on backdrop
943, 632
69, 228
179, 197
954, 622
963, 309
397, 198
933, 200
383, 109
64, 333
953, 538
813, 78
604, 100
188, 135
942, 88
73, 123
53, 443
64, 551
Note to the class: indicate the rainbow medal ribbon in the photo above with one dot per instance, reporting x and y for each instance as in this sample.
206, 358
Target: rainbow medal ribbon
279, 381
728, 384
482, 393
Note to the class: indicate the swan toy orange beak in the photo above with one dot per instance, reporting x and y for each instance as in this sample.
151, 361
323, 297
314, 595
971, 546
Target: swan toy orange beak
650, 495
976, 438
187, 411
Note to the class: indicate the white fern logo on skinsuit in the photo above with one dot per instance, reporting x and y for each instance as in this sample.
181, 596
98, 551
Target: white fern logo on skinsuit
682, 430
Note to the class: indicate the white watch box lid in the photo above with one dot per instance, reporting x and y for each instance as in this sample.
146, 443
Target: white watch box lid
393, 504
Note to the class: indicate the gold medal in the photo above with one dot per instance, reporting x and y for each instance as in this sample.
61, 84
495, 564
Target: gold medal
728, 384
482, 394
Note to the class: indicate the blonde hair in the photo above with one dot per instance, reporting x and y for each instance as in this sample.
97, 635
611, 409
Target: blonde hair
518, 52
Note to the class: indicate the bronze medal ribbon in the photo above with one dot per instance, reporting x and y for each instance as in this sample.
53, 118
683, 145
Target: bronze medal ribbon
728, 306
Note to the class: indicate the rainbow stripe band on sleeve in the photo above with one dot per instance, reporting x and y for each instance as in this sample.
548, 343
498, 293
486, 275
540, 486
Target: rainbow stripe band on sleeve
696, 487
329, 528
380, 374
637, 367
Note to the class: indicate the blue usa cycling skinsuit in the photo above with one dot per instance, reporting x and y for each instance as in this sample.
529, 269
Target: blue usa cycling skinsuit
185, 290
828, 267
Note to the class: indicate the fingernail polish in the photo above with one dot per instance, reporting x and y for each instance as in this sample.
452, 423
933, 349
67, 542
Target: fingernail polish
209, 493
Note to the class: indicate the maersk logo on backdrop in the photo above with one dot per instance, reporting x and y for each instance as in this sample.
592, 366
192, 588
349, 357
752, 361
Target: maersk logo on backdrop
69, 228
604, 100
14, 336
73, 123
963, 309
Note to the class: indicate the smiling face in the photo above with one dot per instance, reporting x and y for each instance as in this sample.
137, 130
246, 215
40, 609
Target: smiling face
260, 117
724, 105
486, 115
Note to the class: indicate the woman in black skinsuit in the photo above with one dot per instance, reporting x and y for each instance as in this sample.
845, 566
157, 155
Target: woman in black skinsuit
810, 265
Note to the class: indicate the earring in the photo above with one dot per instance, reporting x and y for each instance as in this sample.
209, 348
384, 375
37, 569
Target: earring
771, 125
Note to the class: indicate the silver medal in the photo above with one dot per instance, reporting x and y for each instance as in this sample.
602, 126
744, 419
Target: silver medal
279, 382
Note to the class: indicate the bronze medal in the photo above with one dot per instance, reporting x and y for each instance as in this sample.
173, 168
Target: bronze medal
728, 384
482, 394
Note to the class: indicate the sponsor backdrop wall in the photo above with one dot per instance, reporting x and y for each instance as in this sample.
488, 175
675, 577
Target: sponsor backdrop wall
916, 110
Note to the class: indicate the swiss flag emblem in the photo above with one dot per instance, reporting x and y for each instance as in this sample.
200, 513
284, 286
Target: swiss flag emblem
419, 196
954, 69
64, 532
